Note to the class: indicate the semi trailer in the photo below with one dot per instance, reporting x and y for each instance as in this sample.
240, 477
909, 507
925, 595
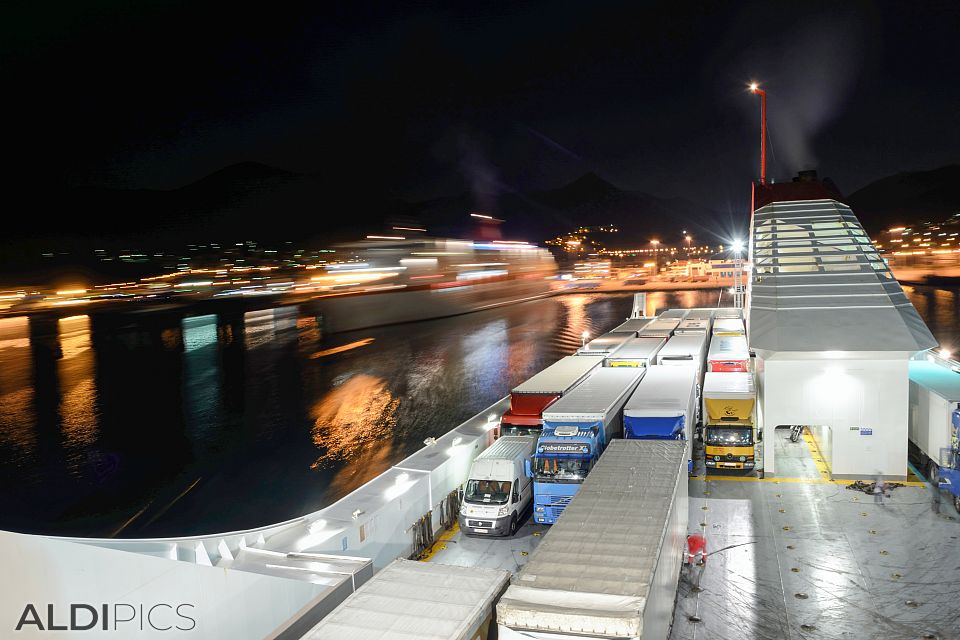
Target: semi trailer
636, 352
530, 398
934, 423
610, 567
664, 407
728, 354
576, 430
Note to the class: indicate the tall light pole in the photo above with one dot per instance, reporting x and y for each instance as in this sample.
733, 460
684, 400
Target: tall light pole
688, 239
656, 260
755, 89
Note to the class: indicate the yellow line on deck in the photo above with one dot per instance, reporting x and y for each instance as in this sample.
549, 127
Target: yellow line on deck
778, 480
440, 543
818, 460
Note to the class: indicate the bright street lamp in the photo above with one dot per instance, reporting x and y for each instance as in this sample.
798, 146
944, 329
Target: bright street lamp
583, 338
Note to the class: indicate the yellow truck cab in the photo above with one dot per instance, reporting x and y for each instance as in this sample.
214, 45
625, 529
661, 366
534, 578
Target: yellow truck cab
729, 431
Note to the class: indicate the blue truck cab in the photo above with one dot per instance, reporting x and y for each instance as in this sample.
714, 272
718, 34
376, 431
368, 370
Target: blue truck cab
576, 429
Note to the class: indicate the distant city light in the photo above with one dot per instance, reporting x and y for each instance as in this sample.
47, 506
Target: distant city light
480, 215
409, 229
386, 238
71, 292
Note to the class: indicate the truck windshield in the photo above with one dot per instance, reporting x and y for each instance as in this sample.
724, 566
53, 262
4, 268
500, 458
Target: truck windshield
730, 436
507, 429
560, 470
487, 492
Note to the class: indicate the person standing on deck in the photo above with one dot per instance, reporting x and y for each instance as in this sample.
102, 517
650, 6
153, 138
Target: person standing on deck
879, 490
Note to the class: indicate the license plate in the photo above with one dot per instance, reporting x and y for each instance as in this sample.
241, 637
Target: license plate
482, 530
732, 465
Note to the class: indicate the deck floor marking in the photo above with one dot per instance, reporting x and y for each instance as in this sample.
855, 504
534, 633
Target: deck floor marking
441, 542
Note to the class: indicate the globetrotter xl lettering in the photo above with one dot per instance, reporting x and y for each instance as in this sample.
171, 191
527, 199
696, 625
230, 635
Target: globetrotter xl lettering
563, 448
121, 617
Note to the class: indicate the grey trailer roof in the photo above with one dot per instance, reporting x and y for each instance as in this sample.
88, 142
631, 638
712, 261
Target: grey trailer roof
942, 380
819, 284
690, 346
728, 312
728, 348
660, 327
598, 395
728, 325
700, 314
560, 376
599, 559
604, 344
677, 314
411, 600
638, 349
692, 325
728, 385
633, 324
664, 391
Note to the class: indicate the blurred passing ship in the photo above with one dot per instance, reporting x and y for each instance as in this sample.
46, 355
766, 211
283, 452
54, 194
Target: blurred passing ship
389, 281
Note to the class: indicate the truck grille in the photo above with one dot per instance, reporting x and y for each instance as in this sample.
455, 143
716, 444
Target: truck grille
561, 501
481, 524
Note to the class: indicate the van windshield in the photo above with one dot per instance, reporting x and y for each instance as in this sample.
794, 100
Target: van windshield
487, 492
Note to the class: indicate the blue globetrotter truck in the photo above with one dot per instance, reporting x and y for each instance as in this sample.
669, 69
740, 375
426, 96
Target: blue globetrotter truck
664, 407
576, 429
934, 422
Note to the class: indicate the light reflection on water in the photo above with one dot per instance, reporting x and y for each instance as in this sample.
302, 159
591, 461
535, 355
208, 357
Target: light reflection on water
231, 421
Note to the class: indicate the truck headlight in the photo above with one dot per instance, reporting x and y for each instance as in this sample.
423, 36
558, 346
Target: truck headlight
716, 457
743, 458
503, 511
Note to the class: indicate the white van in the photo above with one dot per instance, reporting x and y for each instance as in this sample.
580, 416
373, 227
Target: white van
498, 491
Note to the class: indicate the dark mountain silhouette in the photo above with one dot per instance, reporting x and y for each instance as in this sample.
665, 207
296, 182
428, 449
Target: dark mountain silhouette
587, 201
908, 198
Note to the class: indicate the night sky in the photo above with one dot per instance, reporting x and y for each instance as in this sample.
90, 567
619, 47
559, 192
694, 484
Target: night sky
422, 99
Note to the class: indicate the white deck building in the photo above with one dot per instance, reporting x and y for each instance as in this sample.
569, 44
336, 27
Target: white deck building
832, 331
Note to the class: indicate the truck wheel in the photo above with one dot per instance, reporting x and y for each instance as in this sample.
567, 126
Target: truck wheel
956, 503
513, 524
933, 472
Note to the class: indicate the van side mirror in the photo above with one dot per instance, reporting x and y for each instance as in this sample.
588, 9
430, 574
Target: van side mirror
759, 435
528, 468
460, 494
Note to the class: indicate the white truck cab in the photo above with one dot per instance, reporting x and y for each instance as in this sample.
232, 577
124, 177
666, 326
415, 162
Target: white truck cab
498, 492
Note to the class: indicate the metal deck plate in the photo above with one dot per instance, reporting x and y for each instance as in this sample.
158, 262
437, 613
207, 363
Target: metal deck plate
818, 560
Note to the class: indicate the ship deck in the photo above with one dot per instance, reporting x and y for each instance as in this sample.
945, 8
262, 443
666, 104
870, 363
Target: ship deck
796, 556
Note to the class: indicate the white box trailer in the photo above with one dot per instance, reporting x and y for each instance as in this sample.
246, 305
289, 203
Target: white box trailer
693, 325
604, 345
659, 328
597, 400
934, 396
633, 325
728, 312
609, 567
664, 407
728, 327
684, 350
637, 352
728, 353
423, 600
